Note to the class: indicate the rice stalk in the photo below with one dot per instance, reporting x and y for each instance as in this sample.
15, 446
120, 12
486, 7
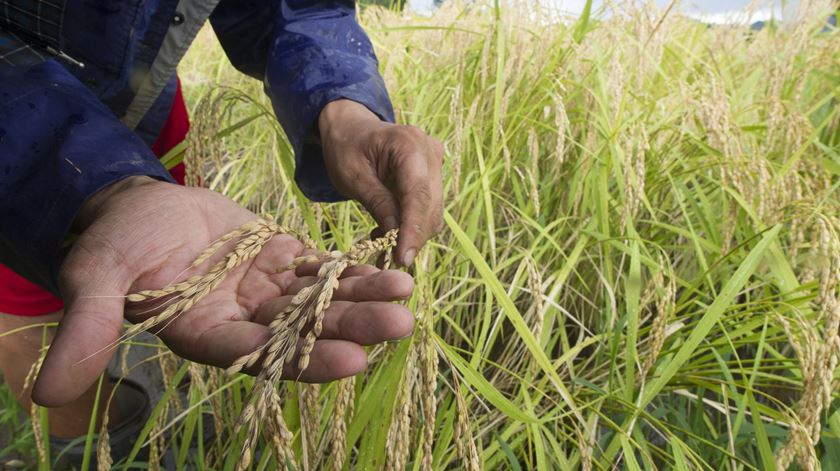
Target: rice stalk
396, 448
104, 461
428, 366
342, 414
817, 345
310, 412
35, 411
465, 441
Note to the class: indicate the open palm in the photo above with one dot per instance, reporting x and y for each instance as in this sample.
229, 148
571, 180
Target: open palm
145, 235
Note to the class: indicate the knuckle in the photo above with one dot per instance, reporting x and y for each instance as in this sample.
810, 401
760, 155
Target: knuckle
415, 132
376, 201
422, 194
417, 229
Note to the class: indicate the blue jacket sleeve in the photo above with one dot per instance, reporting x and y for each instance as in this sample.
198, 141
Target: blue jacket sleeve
314, 53
58, 145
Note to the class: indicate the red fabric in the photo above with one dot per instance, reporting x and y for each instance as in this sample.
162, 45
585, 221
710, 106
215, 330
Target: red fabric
19, 296
173, 133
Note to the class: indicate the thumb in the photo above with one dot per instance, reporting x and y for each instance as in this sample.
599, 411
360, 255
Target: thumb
91, 325
379, 201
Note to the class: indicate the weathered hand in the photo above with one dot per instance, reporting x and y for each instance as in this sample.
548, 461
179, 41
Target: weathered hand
393, 170
143, 234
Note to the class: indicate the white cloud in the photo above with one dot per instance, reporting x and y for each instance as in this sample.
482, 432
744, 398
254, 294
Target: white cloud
711, 11
421, 6
736, 16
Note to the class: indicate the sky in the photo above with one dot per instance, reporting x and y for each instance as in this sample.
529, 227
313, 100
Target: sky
712, 11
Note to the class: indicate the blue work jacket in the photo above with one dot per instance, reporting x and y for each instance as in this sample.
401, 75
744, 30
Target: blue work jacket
63, 95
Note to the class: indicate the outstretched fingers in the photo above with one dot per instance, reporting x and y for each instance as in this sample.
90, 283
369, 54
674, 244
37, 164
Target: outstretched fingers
386, 285
311, 269
329, 360
365, 323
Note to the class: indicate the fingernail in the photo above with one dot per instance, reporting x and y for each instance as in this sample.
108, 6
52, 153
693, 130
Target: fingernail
408, 258
390, 223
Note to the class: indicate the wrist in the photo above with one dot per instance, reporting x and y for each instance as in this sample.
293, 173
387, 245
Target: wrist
341, 117
93, 206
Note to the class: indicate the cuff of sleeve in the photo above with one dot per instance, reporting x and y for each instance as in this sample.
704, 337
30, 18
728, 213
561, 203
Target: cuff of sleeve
39, 257
62, 146
299, 118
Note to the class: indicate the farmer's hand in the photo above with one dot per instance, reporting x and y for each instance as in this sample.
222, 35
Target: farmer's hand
143, 234
393, 170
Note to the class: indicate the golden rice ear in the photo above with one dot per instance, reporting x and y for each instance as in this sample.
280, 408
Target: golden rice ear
103, 446
308, 307
817, 345
310, 416
250, 239
428, 366
465, 441
342, 414
204, 143
304, 260
397, 446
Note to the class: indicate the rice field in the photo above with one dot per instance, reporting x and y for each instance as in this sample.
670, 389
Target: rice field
639, 267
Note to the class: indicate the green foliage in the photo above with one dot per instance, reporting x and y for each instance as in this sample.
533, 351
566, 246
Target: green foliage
632, 249
16, 439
